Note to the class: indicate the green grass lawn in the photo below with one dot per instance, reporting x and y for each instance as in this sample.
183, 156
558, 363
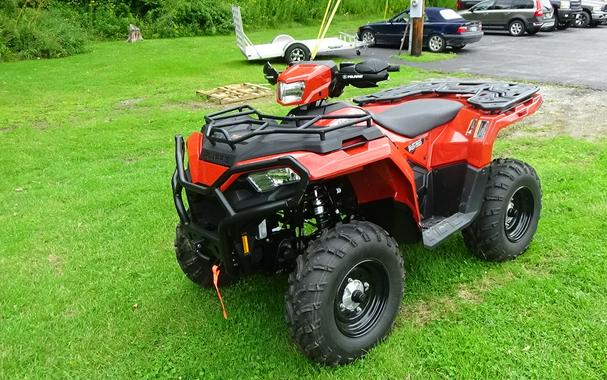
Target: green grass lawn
428, 57
89, 283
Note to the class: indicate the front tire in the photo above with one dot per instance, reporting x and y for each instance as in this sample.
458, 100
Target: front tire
345, 292
195, 266
510, 212
583, 20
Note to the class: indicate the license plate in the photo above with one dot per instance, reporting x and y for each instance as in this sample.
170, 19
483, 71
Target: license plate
473, 29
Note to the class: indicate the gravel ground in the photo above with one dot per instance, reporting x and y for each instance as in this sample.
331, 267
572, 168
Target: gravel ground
567, 111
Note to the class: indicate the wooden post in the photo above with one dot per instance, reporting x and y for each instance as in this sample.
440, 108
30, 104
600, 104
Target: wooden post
418, 36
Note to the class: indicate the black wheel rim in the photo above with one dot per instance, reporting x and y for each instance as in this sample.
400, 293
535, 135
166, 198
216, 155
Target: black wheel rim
297, 55
519, 214
355, 313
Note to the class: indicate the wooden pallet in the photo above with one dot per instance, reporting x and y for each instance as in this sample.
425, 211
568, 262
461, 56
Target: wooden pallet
235, 93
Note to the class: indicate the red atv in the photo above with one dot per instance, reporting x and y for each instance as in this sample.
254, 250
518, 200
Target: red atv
329, 192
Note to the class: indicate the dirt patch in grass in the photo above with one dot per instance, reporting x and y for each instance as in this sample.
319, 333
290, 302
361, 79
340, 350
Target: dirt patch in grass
425, 311
567, 111
56, 265
41, 124
129, 103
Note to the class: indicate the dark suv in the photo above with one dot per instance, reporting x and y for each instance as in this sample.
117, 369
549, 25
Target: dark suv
515, 16
566, 11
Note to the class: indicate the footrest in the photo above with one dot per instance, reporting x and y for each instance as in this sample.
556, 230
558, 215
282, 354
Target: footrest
436, 233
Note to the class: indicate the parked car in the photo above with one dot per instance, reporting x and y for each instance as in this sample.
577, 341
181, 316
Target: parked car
515, 16
443, 27
566, 12
594, 12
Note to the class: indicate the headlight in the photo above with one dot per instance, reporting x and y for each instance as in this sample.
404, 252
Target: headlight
272, 179
597, 9
290, 92
565, 4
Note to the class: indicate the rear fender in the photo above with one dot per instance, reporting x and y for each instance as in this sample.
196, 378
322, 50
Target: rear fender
471, 136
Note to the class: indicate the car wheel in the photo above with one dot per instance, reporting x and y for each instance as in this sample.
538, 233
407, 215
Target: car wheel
436, 43
583, 19
297, 53
368, 37
516, 28
510, 212
345, 292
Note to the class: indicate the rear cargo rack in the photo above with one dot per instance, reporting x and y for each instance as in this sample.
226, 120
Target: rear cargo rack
257, 124
488, 96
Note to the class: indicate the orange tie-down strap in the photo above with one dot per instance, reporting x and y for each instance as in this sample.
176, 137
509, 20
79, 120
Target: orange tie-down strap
216, 272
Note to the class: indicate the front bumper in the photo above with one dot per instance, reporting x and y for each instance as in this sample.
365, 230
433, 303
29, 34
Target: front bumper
217, 241
463, 39
548, 24
599, 17
568, 14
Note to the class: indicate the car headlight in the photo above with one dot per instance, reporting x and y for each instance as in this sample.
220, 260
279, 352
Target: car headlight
565, 4
272, 179
291, 92
597, 9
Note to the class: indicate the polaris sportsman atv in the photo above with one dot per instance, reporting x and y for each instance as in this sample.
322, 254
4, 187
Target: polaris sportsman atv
332, 190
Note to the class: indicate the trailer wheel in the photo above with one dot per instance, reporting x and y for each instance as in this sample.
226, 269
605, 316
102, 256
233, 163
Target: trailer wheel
297, 53
345, 292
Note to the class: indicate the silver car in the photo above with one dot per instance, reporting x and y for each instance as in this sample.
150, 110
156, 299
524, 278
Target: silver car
515, 16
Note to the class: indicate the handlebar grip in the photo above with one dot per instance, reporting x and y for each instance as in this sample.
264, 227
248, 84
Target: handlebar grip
393, 68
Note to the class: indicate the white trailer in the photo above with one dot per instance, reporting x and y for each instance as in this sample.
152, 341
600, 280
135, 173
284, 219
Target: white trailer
287, 47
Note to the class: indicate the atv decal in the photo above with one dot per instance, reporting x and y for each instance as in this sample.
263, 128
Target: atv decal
472, 127
480, 132
414, 145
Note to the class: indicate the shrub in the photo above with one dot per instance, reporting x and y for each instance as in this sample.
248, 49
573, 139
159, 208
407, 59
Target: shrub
38, 33
180, 18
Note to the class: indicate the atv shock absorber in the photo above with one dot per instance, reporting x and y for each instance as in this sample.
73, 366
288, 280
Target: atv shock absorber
321, 206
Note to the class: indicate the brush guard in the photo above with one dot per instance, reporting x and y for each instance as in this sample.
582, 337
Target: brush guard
218, 242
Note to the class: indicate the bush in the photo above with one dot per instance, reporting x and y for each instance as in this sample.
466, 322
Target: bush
181, 18
27, 33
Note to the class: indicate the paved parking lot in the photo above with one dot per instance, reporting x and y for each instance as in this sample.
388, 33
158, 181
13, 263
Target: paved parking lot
571, 57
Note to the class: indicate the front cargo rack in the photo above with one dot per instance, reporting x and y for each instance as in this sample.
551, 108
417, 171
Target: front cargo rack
488, 96
252, 123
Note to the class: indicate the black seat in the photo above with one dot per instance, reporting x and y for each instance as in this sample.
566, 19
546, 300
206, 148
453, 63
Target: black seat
415, 117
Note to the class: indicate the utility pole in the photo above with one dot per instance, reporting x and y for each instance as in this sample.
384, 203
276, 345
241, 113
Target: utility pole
416, 14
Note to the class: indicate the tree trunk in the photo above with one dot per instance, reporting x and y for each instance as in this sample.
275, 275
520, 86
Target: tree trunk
134, 34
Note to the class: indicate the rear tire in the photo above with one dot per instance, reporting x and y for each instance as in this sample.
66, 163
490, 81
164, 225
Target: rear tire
368, 37
436, 43
297, 53
510, 212
516, 28
345, 292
